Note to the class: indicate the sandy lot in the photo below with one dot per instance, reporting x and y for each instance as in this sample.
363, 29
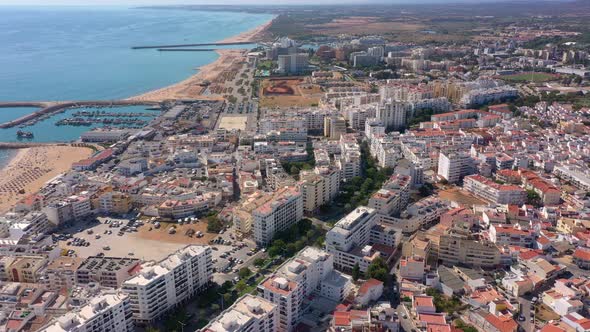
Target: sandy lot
303, 94
460, 196
230, 122
31, 168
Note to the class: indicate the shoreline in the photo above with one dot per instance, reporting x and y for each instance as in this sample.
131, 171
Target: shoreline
30, 169
189, 88
193, 86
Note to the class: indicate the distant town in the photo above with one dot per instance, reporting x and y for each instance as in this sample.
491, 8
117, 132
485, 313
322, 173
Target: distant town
342, 179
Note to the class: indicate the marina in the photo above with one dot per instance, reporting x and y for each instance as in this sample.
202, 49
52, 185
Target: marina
67, 124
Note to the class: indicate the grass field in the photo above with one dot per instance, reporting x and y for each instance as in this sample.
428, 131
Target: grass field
529, 77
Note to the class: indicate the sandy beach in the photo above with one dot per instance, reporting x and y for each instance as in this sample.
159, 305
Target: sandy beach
32, 167
193, 87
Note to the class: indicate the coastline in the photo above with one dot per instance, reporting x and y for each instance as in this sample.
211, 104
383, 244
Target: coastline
29, 170
193, 86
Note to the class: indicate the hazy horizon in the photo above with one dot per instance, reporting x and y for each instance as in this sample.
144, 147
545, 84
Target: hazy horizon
231, 2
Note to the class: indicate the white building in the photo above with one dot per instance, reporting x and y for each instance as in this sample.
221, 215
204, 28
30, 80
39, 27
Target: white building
158, 287
106, 313
277, 215
347, 238
494, 192
454, 166
248, 314
288, 296
393, 114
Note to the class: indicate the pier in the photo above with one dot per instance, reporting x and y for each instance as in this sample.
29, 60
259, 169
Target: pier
192, 45
54, 107
187, 49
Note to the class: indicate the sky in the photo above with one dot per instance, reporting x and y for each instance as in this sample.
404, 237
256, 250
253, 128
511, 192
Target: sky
197, 2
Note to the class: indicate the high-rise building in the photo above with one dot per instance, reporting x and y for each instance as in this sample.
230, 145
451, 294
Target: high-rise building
393, 114
454, 166
158, 287
277, 215
350, 233
288, 296
293, 63
319, 187
334, 127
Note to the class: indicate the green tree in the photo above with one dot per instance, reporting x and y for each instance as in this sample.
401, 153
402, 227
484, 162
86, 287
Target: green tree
241, 286
258, 262
244, 273
214, 225
378, 269
356, 272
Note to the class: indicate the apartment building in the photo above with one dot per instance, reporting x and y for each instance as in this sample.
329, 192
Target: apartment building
70, 209
293, 63
454, 166
461, 247
412, 268
26, 269
115, 202
349, 162
334, 127
351, 241
61, 273
248, 314
105, 313
393, 114
281, 212
107, 271
319, 187
288, 296
493, 192
511, 236
158, 287
393, 197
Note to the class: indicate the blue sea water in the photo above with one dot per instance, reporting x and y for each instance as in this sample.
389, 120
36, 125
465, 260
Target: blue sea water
84, 53
65, 53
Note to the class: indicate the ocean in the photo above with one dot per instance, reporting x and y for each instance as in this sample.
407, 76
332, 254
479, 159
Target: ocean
84, 53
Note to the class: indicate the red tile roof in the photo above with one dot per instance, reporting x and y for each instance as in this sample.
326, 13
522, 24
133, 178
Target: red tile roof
582, 254
368, 285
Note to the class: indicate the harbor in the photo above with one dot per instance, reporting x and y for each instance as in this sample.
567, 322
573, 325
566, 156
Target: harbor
50, 109
67, 124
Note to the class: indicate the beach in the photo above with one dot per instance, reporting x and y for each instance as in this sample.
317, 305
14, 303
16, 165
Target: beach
194, 87
32, 167
29, 170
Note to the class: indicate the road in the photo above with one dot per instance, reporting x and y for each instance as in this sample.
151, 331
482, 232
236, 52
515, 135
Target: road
406, 324
525, 306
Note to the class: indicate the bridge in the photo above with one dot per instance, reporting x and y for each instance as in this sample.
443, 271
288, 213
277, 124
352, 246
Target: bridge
49, 107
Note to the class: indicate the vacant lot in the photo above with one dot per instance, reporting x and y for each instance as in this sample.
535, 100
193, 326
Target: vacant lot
460, 196
364, 25
286, 92
179, 236
230, 122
